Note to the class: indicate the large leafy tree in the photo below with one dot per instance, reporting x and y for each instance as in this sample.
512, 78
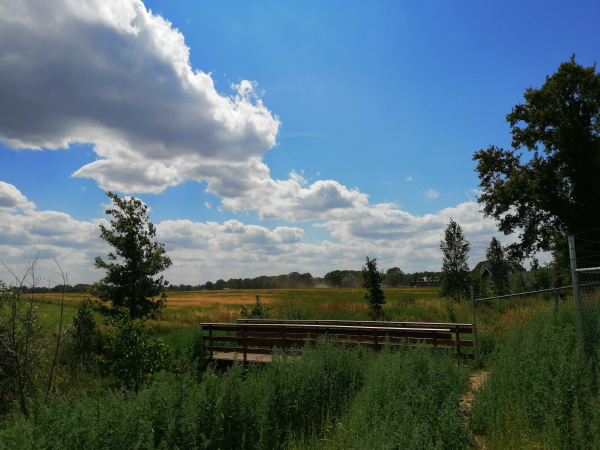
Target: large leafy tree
455, 262
555, 190
131, 270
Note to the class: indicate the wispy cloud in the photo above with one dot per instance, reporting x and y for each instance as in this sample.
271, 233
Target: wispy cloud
410, 179
208, 205
432, 193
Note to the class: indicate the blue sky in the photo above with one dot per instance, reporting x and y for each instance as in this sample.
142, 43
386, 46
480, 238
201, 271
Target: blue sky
375, 108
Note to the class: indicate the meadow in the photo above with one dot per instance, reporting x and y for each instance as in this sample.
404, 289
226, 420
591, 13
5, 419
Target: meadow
540, 391
416, 304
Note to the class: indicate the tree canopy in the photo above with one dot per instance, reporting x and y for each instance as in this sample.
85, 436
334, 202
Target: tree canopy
556, 189
136, 259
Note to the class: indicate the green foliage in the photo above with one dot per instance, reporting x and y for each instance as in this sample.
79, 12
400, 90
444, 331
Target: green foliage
455, 249
258, 312
335, 277
409, 399
22, 344
394, 277
352, 279
371, 282
82, 345
499, 266
409, 402
555, 190
187, 351
129, 282
480, 287
131, 356
288, 308
541, 391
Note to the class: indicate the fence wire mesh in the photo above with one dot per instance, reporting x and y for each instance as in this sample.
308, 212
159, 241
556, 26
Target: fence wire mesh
496, 316
587, 255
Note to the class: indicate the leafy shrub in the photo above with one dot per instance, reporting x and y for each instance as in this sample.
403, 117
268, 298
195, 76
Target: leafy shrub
258, 312
82, 345
131, 356
22, 348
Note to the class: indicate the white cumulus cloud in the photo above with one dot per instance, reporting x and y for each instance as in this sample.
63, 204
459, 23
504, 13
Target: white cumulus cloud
111, 73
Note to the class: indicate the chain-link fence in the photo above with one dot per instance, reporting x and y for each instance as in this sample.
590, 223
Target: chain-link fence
585, 268
494, 316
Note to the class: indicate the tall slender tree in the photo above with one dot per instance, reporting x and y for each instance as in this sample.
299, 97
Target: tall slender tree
372, 279
455, 249
499, 266
136, 260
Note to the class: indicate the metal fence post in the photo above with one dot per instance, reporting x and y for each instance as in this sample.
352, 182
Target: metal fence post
576, 289
475, 350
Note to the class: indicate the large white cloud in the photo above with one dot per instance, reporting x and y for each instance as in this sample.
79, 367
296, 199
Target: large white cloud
110, 73
211, 250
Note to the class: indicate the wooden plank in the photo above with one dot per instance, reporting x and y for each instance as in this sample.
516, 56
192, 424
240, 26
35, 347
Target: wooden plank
275, 326
354, 322
296, 340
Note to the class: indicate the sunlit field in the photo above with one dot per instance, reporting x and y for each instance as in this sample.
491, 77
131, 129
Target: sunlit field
421, 304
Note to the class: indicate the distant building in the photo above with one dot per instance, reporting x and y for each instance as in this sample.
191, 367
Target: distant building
486, 272
426, 281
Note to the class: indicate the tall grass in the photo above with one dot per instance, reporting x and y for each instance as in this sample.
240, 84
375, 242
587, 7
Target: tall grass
541, 392
387, 400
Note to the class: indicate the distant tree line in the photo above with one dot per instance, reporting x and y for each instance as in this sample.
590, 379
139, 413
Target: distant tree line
393, 277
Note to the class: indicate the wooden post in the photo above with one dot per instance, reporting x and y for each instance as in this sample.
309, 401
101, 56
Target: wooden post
244, 344
457, 341
376, 341
475, 350
284, 340
210, 341
555, 299
575, 278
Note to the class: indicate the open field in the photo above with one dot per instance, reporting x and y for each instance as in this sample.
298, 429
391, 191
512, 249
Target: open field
421, 304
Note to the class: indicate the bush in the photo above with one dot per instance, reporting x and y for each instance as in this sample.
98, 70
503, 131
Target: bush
131, 357
82, 345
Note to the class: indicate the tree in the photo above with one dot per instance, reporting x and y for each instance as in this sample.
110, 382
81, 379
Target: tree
500, 267
393, 277
335, 277
455, 248
372, 279
555, 191
352, 279
137, 258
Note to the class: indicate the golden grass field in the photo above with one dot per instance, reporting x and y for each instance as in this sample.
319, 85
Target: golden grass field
421, 304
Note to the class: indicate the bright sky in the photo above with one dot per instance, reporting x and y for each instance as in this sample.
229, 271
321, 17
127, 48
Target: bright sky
267, 137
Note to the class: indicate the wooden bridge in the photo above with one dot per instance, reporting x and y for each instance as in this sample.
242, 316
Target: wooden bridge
256, 339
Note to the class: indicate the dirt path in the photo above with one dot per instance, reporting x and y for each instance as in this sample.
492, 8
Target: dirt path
476, 380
